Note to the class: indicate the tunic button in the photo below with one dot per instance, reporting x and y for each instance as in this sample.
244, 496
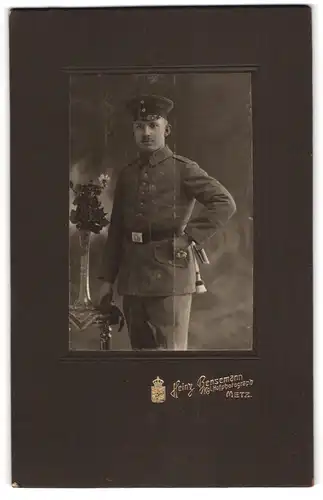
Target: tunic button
158, 275
170, 262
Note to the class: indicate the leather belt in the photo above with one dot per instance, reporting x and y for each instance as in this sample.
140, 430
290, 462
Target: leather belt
148, 236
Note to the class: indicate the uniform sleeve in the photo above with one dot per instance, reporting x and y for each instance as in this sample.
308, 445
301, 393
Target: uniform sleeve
218, 203
110, 262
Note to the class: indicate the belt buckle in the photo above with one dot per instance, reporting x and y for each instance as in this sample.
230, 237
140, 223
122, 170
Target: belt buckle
137, 237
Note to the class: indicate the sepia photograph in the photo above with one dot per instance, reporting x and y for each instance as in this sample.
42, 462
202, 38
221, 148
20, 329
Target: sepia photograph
161, 210
161, 185
161, 178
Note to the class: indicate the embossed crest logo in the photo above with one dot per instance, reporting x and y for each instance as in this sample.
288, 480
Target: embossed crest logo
158, 391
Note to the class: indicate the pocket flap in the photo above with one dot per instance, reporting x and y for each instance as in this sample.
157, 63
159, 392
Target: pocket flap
165, 254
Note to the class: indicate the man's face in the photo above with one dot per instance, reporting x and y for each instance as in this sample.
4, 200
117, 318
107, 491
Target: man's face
150, 135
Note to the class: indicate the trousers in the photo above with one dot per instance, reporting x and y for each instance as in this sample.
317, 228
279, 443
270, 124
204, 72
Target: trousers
158, 322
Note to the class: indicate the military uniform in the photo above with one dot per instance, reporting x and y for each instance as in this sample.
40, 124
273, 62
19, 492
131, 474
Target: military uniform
153, 203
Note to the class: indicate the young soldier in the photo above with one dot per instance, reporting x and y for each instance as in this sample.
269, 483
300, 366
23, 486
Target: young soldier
151, 231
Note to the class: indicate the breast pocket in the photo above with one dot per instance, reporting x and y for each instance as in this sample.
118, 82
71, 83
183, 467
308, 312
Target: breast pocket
164, 254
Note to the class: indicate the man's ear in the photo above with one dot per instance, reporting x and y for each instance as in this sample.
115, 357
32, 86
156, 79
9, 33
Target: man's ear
168, 130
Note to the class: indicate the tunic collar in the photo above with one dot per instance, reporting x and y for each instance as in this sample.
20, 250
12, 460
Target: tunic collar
157, 156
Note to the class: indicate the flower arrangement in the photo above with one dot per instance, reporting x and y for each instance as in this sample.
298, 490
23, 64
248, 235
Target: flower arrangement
89, 214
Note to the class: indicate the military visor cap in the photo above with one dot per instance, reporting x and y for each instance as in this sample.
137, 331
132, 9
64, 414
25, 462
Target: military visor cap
149, 107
